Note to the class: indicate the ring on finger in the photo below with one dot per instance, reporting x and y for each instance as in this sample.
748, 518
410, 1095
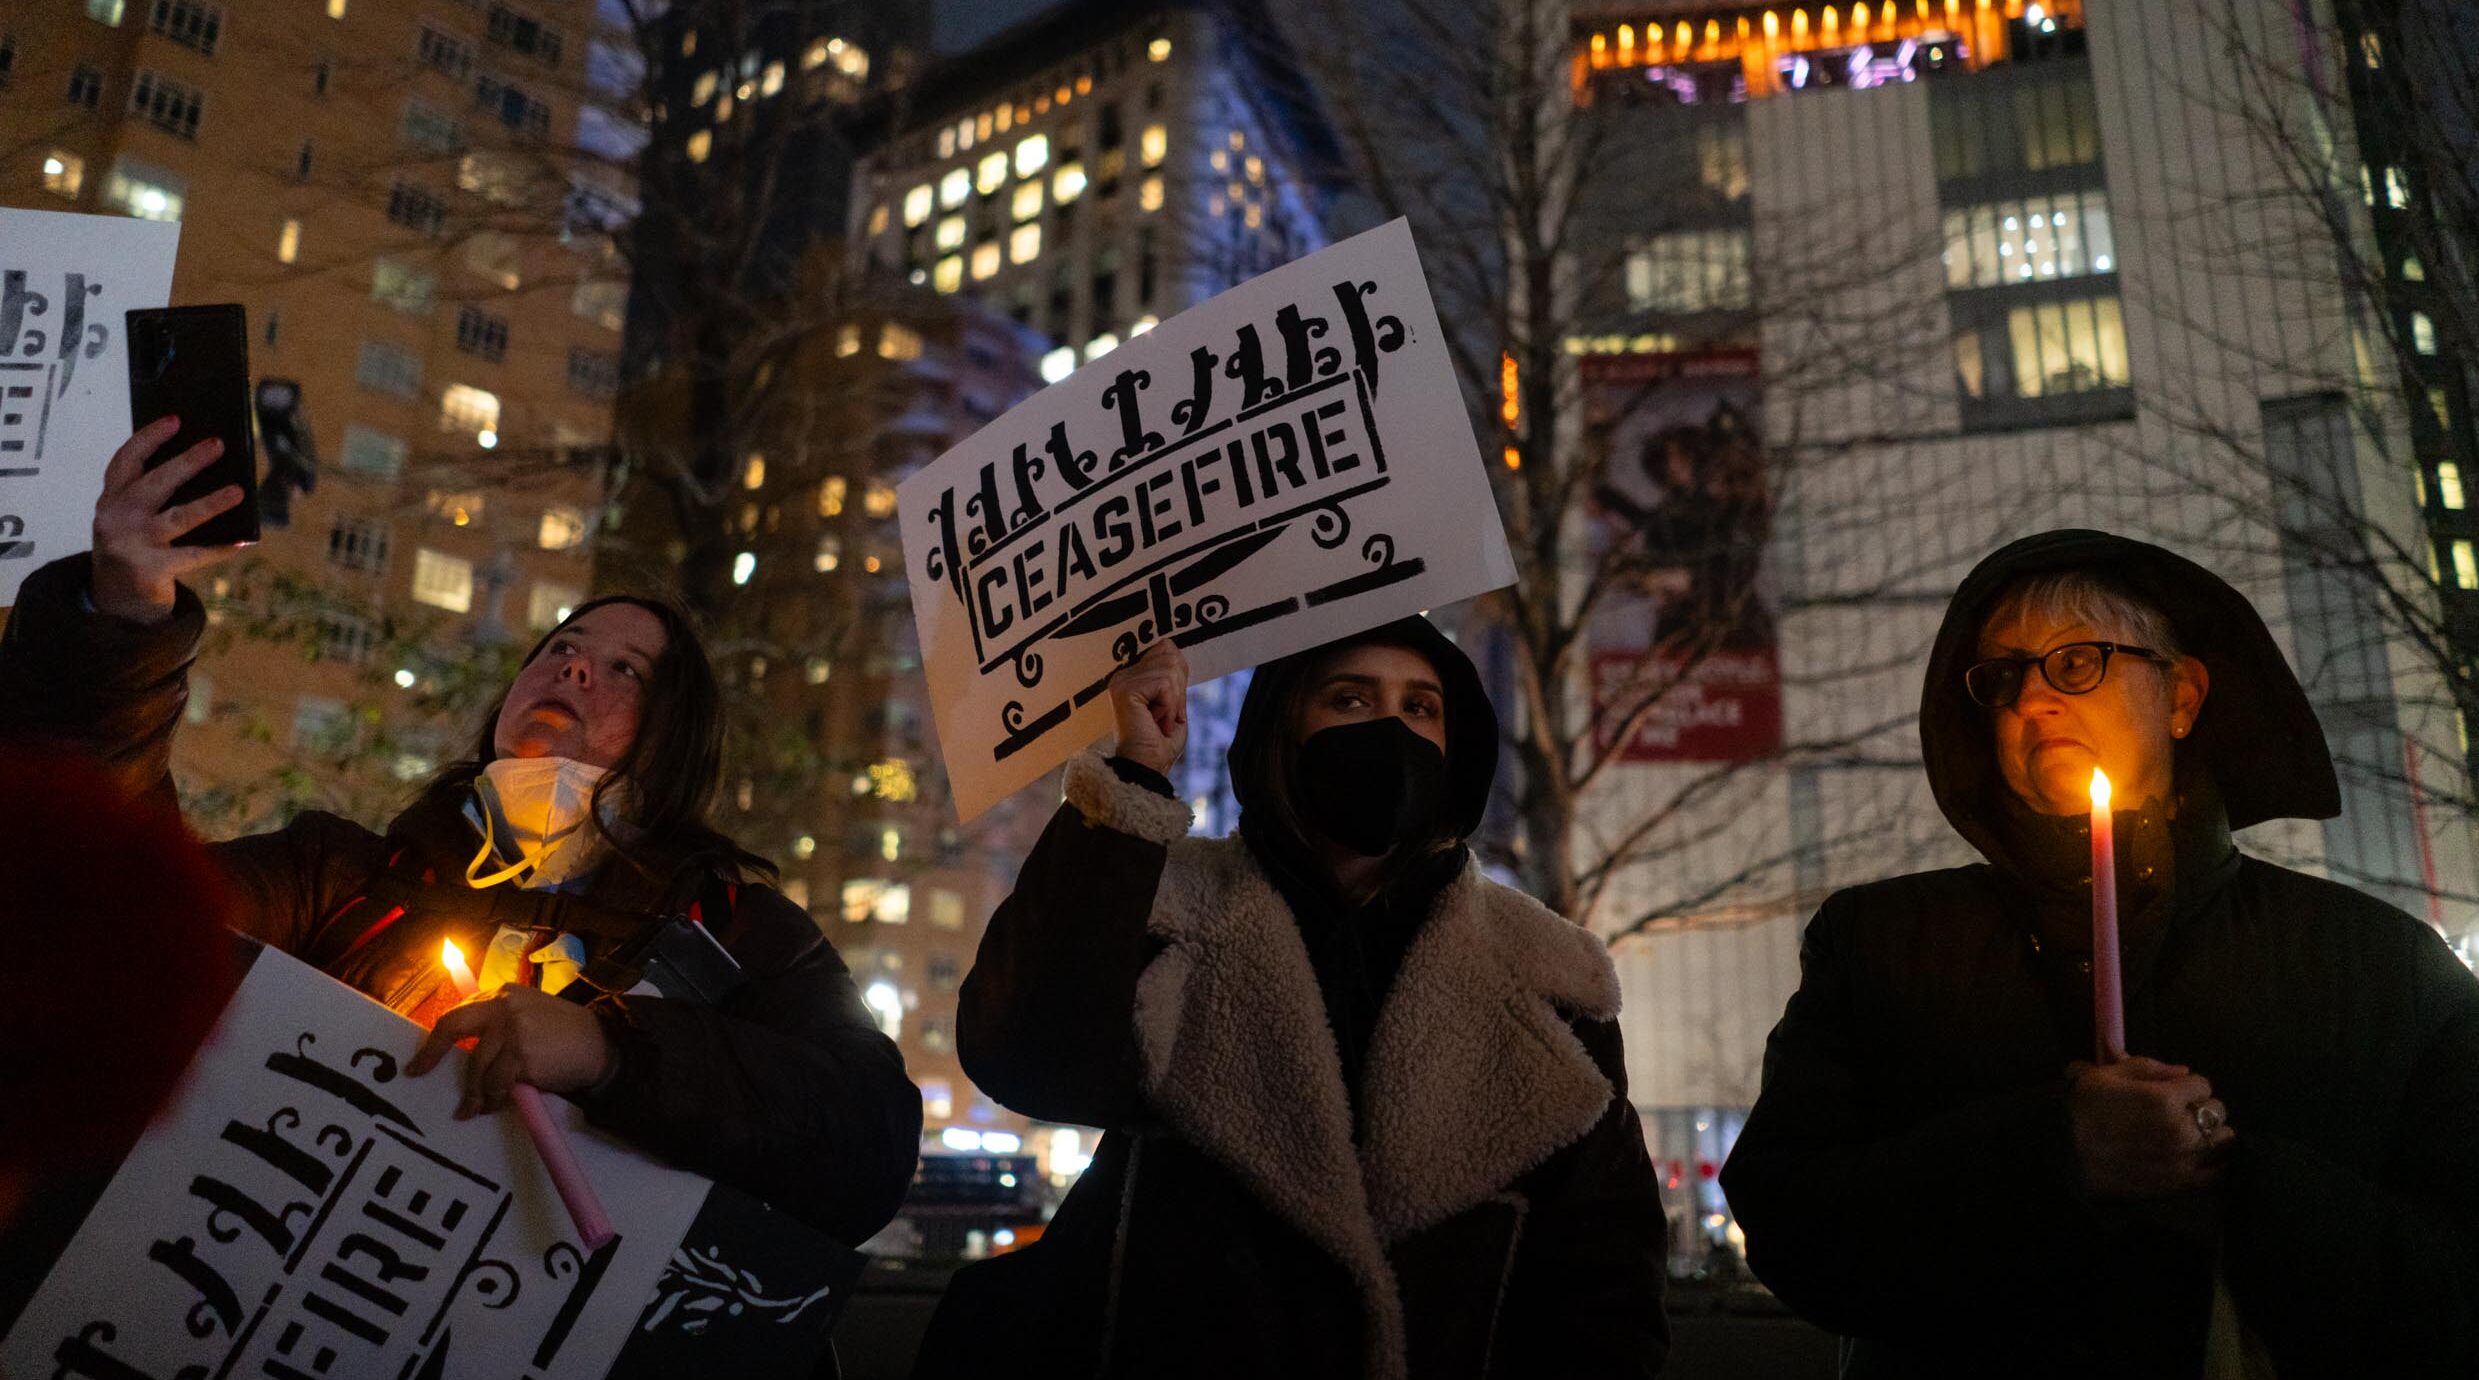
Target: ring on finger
2209, 1118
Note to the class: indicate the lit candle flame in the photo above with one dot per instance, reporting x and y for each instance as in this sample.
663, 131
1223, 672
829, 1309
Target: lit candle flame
2100, 788
459, 973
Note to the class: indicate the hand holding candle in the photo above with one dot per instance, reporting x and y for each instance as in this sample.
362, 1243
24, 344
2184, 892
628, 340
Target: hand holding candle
575, 1190
2108, 992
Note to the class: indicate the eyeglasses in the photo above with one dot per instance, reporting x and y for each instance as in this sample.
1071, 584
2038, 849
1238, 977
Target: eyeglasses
2076, 668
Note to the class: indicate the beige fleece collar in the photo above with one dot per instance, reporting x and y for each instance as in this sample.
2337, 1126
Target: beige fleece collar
1474, 1076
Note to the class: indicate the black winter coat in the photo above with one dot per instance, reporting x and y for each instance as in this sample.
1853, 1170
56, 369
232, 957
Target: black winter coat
787, 1090
1908, 1178
1492, 1212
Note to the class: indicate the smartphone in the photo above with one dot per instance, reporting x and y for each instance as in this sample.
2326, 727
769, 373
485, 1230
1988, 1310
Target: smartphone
194, 363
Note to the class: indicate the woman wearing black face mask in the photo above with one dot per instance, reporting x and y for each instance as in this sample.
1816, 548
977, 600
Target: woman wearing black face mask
1366, 1109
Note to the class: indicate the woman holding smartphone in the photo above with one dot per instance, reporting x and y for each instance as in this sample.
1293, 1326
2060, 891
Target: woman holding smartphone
572, 833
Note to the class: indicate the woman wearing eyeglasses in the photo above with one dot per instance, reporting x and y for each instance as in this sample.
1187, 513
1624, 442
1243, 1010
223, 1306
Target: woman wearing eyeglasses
2282, 1178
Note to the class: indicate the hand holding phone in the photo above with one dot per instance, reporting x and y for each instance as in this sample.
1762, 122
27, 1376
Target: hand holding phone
136, 556
193, 363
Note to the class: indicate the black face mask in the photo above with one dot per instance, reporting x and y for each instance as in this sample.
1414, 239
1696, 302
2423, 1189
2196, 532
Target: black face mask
1372, 786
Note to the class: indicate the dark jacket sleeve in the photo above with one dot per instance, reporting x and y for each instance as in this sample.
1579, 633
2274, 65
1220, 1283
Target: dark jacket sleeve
1592, 1262
787, 1091
2345, 1274
115, 691
1046, 1019
1874, 1231
79, 679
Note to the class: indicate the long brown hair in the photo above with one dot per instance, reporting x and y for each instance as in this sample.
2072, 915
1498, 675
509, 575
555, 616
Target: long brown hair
671, 767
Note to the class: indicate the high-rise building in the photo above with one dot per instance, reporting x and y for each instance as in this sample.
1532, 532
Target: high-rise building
1091, 173
411, 198
1963, 270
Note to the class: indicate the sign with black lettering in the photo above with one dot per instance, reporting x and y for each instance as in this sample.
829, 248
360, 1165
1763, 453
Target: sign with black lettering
1283, 465
65, 283
305, 1210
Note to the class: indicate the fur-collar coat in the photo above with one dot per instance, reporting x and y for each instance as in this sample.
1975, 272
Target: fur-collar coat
1489, 1196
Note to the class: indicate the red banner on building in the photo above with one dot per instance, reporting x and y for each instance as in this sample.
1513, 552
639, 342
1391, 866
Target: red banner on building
1685, 631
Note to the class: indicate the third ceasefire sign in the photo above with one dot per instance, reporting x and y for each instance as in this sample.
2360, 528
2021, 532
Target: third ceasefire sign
1283, 465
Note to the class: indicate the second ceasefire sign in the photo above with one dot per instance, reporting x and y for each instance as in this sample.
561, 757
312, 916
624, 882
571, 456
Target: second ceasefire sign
1288, 463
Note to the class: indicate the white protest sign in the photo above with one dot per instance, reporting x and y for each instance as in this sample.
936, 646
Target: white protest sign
303, 1209
65, 282
1283, 465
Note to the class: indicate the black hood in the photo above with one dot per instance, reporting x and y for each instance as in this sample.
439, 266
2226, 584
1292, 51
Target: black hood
1471, 722
2257, 739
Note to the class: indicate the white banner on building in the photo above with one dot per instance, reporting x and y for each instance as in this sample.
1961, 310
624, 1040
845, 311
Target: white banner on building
303, 1209
1283, 465
65, 282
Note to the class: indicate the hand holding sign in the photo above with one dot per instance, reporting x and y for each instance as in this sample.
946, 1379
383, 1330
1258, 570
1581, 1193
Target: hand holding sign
136, 563
1149, 698
1286, 464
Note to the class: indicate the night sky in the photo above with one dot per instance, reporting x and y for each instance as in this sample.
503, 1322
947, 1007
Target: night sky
963, 23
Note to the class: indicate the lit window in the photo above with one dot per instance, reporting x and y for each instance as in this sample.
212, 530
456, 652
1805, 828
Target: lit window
549, 605
1100, 345
816, 670
1141, 325
64, 173
1255, 168
335, 9
946, 143
954, 187
888, 903
288, 242
1028, 201
468, 410
2449, 484
1058, 364
702, 90
442, 581
1155, 144
1692, 271
917, 205
898, 342
949, 275
139, 190
991, 175
831, 496
2371, 48
1068, 183
753, 472
2396, 189
1159, 50
562, 528
985, 261
2422, 333
105, 11
830, 555
2067, 347
1025, 245
891, 846
772, 82
2413, 271
372, 452
950, 233
879, 500
1032, 154
847, 340
878, 219
2465, 565
744, 565
700, 144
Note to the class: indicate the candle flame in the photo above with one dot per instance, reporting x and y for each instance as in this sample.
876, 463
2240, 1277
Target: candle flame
454, 959
2100, 788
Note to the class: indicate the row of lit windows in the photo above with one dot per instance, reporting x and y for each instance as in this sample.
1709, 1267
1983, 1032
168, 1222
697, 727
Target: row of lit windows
970, 130
1691, 271
2047, 349
2063, 236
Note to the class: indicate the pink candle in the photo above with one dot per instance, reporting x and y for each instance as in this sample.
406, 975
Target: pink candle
2108, 991
585, 1206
